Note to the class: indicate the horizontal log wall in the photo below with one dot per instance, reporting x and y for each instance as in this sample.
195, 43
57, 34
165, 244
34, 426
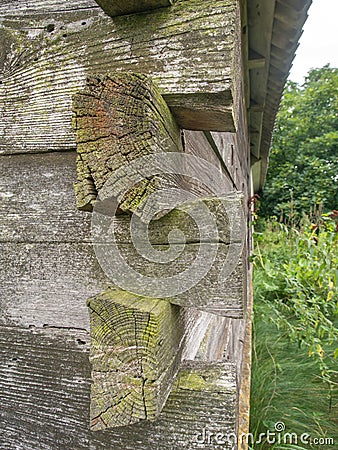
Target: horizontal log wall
45, 381
49, 271
48, 56
49, 266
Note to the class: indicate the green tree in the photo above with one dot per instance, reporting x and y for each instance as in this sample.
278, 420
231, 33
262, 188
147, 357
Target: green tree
303, 167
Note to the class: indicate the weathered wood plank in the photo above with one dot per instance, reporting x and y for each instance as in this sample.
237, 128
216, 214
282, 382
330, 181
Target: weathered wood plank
37, 204
48, 283
196, 143
215, 342
189, 276
45, 386
188, 49
235, 154
234, 149
205, 220
119, 118
136, 348
17, 8
120, 7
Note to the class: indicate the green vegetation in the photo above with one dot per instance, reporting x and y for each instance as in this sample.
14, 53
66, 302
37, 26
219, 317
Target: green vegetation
295, 370
295, 333
303, 167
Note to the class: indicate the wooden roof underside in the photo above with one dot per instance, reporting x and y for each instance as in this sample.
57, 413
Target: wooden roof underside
273, 31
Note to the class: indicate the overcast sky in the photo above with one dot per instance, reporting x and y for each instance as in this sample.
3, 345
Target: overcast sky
319, 42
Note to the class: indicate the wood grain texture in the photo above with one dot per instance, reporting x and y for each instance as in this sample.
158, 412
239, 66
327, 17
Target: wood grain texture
196, 143
45, 397
205, 220
137, 345
187, 49
235, 155
135, 353
201, 264
44, 385
216, 340
233, 149
48, 283
37, 202
119, 118
120, 7
19, 8
49, 267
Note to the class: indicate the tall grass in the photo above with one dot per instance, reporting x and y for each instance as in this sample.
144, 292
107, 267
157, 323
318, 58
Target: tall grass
294, 373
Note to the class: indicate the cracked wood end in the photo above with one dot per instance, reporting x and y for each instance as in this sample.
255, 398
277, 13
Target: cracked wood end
200, 413
121, 7
119, 118
136, 348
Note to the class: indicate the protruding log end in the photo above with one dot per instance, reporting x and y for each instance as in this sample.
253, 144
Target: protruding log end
120, 118
121, 7
135, 354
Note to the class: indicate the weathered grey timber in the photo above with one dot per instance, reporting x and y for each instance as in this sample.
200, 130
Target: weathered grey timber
37, 202
136, 348
211, 294
188, 49
38, 205
233, 149
205, 220
119, 7
119, 118
215, 343
48, 266
48, 283
196, 143
10, 8
45, 397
